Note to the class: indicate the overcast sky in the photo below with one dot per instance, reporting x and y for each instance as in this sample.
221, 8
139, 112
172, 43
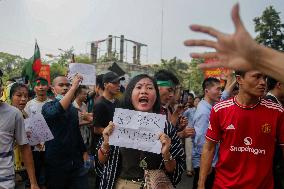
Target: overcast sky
66, 23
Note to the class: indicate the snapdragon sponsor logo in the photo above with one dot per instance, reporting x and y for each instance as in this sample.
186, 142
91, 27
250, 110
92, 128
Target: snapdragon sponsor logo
247, 148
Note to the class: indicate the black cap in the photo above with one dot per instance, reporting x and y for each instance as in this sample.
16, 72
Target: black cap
111, 77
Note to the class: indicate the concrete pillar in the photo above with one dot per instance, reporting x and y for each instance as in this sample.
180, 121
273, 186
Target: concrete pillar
109, 46
138, 53
134, 54
121, 52
94, 52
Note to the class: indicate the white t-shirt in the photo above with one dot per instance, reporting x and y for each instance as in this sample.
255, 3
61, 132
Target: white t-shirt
11, 128
35, 106
82, 108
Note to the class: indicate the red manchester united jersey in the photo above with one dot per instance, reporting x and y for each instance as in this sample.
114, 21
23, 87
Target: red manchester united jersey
247, 137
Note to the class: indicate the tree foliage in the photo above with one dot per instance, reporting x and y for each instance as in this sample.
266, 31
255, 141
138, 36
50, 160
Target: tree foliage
11, 65
57, 69
83, 58
188, 74
65, 57
195, 77
106, 58
270, 29
176, 66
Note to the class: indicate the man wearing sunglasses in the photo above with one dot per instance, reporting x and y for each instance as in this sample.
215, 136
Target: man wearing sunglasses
64, 154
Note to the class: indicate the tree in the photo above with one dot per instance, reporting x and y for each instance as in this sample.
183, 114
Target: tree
57, 69
188, 74
195, 77
270, 29
59, 64
106, 58
176, 66
11, 65
83, 58
65, 57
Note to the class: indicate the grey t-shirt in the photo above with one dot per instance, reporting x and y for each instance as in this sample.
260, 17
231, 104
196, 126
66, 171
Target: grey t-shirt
11, 128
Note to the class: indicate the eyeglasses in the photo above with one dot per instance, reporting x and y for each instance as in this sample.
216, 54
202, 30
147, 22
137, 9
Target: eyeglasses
64, 84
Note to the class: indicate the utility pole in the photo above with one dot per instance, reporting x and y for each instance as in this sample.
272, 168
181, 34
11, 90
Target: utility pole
162, 29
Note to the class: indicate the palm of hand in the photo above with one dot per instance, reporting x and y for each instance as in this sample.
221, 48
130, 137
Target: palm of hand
231, 51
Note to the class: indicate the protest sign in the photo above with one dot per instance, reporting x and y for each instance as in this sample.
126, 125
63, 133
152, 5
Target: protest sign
37, 129
137, 130
88, 72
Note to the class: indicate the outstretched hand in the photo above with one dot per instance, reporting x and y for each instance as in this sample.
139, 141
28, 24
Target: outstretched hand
237, 51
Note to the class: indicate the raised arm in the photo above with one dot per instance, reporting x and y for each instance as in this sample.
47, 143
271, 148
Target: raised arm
238, 51
68, 98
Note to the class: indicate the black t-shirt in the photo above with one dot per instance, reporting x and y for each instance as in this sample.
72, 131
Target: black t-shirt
130, 162
103, 112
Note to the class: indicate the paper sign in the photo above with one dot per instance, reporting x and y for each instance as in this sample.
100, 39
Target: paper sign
88, 72
137, 130
37, 129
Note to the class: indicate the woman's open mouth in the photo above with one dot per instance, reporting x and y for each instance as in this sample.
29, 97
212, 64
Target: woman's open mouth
143, 100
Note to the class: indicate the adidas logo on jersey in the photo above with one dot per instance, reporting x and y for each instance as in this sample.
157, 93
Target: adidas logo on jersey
231, 127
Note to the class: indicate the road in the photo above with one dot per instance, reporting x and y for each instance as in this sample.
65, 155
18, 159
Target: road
186, 182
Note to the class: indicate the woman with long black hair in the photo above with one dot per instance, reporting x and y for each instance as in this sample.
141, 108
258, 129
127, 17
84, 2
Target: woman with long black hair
121, 167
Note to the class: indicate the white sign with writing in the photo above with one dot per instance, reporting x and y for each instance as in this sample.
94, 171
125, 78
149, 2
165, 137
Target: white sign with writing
88, 72
37, 129
137, 130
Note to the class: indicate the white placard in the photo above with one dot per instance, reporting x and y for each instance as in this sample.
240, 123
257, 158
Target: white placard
88, 72
137, 130
37, 129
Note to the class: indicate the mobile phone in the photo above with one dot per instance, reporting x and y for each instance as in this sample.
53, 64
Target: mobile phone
184, 96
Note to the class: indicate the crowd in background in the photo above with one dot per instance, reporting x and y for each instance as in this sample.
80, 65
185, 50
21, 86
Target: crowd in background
233, 137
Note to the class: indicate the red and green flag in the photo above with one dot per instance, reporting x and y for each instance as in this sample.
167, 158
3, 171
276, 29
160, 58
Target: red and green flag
32, 67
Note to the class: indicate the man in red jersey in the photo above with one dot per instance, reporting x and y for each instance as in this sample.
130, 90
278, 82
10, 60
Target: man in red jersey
246, 127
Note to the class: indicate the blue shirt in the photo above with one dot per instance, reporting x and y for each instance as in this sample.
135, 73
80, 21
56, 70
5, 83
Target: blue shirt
189, 114
200, 124
65, 151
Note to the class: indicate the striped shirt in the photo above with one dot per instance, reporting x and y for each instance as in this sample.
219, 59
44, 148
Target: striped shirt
109, 171
11, 128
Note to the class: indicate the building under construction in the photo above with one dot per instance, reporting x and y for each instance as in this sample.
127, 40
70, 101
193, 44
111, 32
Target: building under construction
113, 54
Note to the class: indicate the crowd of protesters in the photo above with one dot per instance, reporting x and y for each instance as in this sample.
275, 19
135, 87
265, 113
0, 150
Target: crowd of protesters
231, 137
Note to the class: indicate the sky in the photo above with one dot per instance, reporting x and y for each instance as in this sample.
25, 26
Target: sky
62, 24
